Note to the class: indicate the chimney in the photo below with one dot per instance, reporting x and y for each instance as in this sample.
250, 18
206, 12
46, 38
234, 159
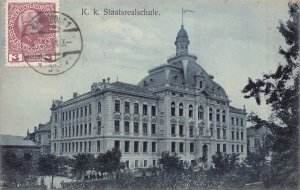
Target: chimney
75, 94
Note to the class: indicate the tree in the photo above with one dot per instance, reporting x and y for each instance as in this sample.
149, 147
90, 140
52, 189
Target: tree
82, 163
224, 163
109, 162
281, 92
170, 162
48, 165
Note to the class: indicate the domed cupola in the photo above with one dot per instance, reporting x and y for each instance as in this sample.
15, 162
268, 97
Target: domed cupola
182, 41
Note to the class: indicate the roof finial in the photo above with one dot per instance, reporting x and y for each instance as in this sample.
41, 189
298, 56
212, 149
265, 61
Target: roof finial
181, 17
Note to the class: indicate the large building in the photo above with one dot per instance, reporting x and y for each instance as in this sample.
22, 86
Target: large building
178, 108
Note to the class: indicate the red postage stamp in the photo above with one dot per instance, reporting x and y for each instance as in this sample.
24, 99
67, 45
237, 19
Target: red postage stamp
31, 35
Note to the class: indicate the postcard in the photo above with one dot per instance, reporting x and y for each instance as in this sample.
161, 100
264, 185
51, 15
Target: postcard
112, 94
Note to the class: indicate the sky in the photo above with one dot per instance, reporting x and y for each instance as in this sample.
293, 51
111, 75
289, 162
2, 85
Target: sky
233, 40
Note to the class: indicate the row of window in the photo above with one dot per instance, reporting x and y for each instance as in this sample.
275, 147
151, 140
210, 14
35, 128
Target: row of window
79, 130
181, 147
238, 121
136, 146
200, 112
232, 148
75, 113
76, 147
141, 163
136, 128
181, 130
136, 108
237, 135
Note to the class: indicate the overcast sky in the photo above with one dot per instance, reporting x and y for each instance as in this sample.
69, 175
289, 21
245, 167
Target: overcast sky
233, 40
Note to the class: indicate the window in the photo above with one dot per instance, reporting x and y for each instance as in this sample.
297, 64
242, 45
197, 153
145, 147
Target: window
153, 110
218, 148
173, 129
232, 148
62, 147
237, 148
99, 127
77, 112
76, 146
81, 128
180, 130
136, 163
126, 126
85, 146
90, 146
181, 147
77, 130
117, 126
54, 147
90, 128
242, 122
73, 130
153, 129
145, 163
153, 163
200, 113
210, 114
242, 148
85, 110
81, 111
55, 117
73, 114
218, 133
70, 114
145, 146
145, 109
237, 121
145, 129
191, 131
70, 131
192, 147
136, 146
172, 109
190, 111
173, 147
218, 115
66, 131
63, 116
127, 145
85, 128
117, 105
90, 109
117, 145
237, 135
127, 107
242, 135
62, 132
224, 133
136, 108
224, 147
98, 146
55, 133
180, 109
232, 120
136, 127
232, 135
99, 107
80, 146
153, 147
223, 116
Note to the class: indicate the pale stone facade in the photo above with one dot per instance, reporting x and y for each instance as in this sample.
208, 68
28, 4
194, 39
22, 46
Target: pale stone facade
176, 108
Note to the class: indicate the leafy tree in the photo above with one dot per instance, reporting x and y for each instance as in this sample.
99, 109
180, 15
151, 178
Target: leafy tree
82, 163
170, 162
224, 162
109, 162
48, 165
281, 92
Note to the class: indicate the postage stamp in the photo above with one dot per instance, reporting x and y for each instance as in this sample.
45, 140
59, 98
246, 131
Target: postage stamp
29, 32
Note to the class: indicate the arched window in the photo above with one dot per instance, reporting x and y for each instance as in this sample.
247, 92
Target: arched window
223, 116
99, 107
180, 109
210, 114
172, 109
190, 111
218, 115
200, 112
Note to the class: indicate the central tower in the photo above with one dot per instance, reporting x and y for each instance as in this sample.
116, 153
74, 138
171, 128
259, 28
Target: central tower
182, 41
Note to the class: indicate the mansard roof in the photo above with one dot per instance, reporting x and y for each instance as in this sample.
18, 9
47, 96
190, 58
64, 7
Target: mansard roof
132, 88
237, 110
44, 127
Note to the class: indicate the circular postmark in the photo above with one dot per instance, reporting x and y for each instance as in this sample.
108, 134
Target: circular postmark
51, 43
